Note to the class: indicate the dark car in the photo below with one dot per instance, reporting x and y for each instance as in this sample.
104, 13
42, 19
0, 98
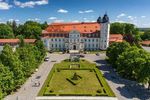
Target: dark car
38, 77
46, 59
81, 56
97, 54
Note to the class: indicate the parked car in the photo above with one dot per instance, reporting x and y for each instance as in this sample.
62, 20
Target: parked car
46, 59
38, 77
50, 51
97, 54
81, 56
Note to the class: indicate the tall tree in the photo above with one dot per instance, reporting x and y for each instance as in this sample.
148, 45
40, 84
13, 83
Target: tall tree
130, 62
44, 25
146, 35
6, 80
115, 49
6, 31
10, 59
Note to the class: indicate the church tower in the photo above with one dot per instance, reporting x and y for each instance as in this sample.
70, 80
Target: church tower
104, 31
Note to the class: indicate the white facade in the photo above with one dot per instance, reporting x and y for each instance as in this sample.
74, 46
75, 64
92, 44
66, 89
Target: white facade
104, 39
76, 41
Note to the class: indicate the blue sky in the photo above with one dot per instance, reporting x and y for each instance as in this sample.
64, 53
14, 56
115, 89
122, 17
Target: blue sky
132, 11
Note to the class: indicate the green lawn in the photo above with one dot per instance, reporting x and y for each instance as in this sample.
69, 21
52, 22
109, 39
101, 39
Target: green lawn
92, 83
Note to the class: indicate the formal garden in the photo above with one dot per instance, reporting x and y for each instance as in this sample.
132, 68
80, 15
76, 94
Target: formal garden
80, 78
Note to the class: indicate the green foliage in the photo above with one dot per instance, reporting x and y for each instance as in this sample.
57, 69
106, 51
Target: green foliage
1, 94
117, 28
17, 66
6, 31
32, 30
146, 35
61, 72
129, 31
131, 62
10, 59
44, 25
115, 49
6, 80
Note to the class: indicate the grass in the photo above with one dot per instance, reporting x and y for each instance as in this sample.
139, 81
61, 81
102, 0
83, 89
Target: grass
92, 82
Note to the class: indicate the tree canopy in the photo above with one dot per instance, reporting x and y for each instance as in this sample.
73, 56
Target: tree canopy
17, 66
6, 31
130, 62
146, 35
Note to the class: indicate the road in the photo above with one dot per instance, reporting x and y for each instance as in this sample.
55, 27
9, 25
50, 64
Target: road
146, 48
121, 87
28, 91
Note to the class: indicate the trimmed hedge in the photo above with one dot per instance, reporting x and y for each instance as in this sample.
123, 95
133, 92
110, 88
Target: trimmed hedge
106, 90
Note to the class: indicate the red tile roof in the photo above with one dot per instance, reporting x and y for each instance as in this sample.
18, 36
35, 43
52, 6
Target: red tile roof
115, 38
147, 42
85, 27
16, 40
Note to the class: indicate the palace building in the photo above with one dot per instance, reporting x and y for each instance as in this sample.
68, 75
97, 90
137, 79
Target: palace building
80, 36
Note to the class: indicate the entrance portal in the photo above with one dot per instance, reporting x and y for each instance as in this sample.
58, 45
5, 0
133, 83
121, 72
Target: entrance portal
74, 47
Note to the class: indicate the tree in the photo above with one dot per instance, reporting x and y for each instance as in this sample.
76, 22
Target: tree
27, 57
31, 30
129, 31
131, 62
6, 31
44, 25
10, 59
115, 49
146, 35
1, 94
40, 46
14, 27
144, 75
6, 80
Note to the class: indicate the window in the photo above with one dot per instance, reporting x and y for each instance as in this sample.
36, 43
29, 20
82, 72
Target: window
56, 45
59, 40
51, 39
93, 40
96, 45
55, 39
52, 45
96, 40
89, 40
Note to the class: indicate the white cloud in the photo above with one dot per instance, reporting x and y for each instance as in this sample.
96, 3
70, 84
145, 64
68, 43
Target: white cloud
62, 11
4, 5
37, 19
58, 21
143, 16
86, 11
30, 4
133, 18
121, 15
85, 18
52, 18
17, 20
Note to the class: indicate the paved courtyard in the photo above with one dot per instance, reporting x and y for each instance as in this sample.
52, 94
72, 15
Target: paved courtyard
146, 48
124, 89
